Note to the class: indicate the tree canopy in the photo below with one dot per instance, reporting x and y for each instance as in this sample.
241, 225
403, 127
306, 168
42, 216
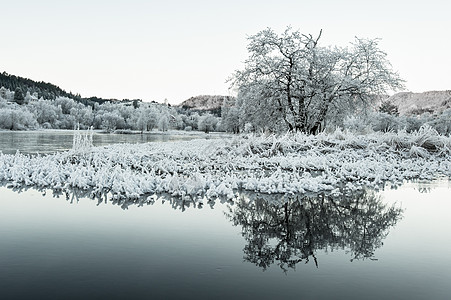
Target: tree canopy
290, 82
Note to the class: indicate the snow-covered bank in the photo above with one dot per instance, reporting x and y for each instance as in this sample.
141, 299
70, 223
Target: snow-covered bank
289, 164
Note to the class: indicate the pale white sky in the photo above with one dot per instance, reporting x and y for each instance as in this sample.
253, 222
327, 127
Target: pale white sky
176, 49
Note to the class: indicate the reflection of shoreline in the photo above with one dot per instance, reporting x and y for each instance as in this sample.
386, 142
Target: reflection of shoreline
292, 232
74, 196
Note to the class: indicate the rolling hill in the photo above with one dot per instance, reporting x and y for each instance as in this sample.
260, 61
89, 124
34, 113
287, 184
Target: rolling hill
417, 103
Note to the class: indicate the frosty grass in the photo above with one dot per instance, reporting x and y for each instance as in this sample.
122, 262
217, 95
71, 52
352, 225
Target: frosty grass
290, 164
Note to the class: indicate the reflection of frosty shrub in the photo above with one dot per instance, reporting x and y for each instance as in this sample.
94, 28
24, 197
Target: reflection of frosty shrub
286, 234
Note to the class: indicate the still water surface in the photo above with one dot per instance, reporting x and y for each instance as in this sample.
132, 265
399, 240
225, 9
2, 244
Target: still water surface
393, 244
30, 142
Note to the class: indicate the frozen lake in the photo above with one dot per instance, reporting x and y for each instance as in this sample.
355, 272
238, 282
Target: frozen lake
392, 244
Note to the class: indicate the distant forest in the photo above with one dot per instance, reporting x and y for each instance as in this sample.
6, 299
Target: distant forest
27, 105
45, 90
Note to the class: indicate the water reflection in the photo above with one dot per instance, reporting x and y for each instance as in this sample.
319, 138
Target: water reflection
281, 229
75, 195
292, 232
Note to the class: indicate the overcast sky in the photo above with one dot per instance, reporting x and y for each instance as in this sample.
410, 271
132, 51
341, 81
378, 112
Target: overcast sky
156, 50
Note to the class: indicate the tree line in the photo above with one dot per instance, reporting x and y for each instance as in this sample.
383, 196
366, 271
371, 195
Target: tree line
40, 89
67, 113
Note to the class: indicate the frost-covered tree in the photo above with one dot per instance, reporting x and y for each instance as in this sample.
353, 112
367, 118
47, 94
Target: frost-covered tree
65, 103
17, 119
179, 124
191, 120
231, 120
46, 113
112, 121
207, 123
163, 123
6, 94
289, 80
82, 115
146, 118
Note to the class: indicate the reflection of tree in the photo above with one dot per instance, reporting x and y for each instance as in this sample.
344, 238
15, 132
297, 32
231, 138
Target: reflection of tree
292, 232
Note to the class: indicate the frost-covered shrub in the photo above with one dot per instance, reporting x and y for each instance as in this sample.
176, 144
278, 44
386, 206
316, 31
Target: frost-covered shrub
3, 102
442, 123
249, 127
46, 125
384, 122
411, 123
6, 94
357, 124
188, 128
82, 140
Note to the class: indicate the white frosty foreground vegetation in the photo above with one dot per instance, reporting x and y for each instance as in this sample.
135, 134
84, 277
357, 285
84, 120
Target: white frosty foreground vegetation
294, 163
